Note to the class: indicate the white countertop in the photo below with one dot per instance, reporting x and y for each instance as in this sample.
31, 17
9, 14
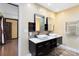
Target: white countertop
38, 40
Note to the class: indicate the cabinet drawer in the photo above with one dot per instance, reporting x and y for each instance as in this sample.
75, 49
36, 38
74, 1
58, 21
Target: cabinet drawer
40, 46
43, 48
40, 53
47, 44
54, 41
43, 44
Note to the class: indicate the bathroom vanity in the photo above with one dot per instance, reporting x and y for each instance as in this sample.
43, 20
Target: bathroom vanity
42, 41
43, 46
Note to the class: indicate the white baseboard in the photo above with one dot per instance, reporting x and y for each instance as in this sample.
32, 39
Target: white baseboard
69, 48
29, 54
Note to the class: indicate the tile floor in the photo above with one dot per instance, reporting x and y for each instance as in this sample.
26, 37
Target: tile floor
59, 51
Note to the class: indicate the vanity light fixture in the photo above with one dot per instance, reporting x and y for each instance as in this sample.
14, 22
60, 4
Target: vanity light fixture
29, 5
40, 10
49, 4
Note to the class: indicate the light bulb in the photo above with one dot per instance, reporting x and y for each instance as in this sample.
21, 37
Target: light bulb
29, 5
49, 4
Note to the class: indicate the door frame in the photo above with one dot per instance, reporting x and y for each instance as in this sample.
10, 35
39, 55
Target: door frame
14, 20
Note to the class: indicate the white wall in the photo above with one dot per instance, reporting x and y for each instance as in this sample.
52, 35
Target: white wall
23, 30
9, 11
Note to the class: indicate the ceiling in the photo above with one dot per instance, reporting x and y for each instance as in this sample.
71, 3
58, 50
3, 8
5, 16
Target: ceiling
57, 7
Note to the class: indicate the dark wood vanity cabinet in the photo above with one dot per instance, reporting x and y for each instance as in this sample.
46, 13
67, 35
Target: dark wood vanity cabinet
39, 49
43, 48
31, 27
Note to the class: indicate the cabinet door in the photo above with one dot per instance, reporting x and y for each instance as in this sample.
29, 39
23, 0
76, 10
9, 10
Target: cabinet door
53, 43
59, 41
31, 27
32, 48
43, 48
7, 31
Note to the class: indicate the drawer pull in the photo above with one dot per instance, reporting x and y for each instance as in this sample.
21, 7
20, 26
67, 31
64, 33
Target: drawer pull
40, 46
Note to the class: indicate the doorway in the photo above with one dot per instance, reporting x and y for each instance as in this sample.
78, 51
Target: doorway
10, 26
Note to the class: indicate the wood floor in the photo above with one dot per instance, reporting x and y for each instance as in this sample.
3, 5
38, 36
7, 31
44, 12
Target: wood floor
63, 52
9, 49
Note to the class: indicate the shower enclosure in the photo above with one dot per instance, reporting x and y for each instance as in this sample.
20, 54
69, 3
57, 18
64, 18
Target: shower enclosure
71, 38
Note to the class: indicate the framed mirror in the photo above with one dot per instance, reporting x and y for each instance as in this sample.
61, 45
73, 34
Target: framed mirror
50, 24
39, 22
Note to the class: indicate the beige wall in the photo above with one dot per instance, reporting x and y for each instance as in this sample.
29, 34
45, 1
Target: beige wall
14, 27
68, 15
